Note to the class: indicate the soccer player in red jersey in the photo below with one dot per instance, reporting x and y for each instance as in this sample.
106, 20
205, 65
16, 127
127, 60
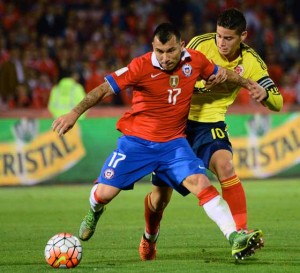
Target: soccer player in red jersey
153, 131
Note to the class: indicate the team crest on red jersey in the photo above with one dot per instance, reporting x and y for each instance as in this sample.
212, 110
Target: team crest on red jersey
174, 80
187, 70
239, 69
109, 173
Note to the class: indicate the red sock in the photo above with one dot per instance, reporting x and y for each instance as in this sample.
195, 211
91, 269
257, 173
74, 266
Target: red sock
234, 194
207, 194
152, 218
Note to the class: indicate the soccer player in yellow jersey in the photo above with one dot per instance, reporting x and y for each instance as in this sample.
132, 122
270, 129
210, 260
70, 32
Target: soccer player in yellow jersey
207, 130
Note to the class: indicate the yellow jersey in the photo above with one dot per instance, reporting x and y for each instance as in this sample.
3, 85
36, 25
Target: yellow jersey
211, 105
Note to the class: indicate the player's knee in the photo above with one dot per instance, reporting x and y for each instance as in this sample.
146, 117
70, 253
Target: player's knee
225, 169
196, 183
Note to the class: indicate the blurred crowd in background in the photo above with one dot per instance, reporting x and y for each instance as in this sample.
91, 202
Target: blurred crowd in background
43, 41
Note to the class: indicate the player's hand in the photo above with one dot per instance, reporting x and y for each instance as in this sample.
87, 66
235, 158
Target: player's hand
213, 80
64, 123
256, 91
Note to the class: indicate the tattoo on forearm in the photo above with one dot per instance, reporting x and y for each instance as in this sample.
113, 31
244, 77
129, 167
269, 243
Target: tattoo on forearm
236, 78
89, 100
242, 81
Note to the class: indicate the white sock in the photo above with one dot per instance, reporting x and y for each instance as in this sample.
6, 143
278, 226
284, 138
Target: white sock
94, 204
151, 237
218, 210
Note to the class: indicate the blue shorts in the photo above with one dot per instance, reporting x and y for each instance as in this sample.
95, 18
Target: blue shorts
205, 139
135, 158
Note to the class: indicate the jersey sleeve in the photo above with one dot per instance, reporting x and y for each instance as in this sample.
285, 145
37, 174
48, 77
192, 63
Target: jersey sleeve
209, 68
274, 100
197, 43
125, 77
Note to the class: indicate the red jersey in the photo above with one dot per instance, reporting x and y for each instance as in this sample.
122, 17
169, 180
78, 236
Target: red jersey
161, 99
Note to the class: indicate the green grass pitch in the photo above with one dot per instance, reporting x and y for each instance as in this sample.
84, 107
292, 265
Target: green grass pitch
188, 242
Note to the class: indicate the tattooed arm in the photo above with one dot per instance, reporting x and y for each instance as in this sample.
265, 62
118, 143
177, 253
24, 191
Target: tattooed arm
65, 122
225, 74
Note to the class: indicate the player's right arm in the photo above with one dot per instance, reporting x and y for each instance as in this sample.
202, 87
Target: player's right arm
65, 122
93, 97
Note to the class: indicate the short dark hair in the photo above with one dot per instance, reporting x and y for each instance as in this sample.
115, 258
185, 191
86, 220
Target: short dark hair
165, 31
232, 19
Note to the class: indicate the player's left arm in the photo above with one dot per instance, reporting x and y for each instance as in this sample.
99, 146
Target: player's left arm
267, 93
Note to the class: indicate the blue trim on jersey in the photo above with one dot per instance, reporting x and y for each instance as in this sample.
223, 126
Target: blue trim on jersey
111, 81
216, 69
135, 158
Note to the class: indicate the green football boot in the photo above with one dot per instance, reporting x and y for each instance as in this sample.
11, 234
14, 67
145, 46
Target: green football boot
89, 223
244, 244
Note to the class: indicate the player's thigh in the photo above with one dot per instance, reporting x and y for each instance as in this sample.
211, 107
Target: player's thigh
131, 161
178, 164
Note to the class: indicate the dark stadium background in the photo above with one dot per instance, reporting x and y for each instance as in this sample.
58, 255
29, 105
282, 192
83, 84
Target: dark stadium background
43, 40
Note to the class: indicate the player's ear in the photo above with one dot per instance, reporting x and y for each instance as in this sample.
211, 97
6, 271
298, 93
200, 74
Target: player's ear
244, 36
182, 45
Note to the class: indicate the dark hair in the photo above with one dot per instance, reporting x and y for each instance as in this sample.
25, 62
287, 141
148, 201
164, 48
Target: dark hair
232, 19
165, 31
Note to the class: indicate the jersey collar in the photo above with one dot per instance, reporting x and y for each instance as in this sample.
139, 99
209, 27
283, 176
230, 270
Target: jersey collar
184, 55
